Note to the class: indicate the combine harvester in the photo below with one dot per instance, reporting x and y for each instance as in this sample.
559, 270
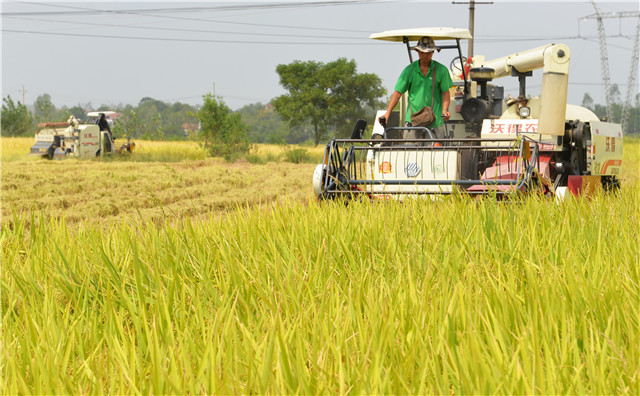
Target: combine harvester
493, 145
59, 140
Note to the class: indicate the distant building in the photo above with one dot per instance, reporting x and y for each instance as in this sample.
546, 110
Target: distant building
111, 118
188, 128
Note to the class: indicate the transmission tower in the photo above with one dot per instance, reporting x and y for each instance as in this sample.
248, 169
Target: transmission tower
604, 60
631, 84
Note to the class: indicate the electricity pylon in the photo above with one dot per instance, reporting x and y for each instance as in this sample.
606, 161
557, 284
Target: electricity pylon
604, 60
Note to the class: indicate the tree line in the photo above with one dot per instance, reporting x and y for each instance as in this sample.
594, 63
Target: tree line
322, 100
149, 119
633, 122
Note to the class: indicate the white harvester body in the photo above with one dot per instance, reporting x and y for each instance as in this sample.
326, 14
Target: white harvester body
411, 165
74, 139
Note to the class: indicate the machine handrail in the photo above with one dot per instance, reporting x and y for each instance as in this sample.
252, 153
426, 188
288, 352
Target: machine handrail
381, 140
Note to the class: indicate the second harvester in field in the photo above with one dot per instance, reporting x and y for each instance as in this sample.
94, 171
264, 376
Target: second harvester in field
58, 140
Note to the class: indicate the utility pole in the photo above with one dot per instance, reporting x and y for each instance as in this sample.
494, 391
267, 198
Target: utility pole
23, 94
213, 91
472, 10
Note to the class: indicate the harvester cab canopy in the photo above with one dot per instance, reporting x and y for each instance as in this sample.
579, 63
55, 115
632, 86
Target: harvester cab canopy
415, 34
93, 116
436, 33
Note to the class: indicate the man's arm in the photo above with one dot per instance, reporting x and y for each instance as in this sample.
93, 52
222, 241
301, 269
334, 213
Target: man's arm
395, 98
446, 99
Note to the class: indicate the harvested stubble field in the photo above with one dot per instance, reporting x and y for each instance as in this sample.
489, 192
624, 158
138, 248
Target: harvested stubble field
160, 181
195, 284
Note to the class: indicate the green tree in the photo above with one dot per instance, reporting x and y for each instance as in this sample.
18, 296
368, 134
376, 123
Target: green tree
329, 97
175, 116
633, 122
222, 132
266, 126
615, 93
129, 125
154, 129
43, 108
77, 112
16, 119
169, 117
587, 101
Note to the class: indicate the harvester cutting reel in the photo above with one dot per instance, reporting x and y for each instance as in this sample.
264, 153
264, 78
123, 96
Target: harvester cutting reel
332, 178
399, 168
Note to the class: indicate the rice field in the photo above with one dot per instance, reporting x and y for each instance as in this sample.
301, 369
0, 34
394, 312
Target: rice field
256, 288
159, 181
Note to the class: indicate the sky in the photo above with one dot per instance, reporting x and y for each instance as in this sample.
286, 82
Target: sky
115, 53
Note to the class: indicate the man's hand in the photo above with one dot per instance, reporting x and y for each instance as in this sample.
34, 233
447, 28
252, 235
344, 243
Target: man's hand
395, 98
446, 100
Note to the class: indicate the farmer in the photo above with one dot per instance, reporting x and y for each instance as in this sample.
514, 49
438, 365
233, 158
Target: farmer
418, 79
103, 124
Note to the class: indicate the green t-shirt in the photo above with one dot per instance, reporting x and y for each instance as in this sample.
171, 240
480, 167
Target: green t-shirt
419, 87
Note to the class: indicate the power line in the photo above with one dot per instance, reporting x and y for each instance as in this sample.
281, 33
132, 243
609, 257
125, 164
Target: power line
189, 30
266, 42
235, 7
620, 14
608, 45
183, 39
144, 13
523, 39
486, 39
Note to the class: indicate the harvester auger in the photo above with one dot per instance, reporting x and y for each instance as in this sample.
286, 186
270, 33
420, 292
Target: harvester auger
493, 145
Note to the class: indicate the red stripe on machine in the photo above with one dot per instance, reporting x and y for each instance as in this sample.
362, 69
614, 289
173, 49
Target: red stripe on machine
612, 162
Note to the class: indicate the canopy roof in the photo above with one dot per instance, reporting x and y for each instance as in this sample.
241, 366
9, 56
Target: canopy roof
97, 113
436, 33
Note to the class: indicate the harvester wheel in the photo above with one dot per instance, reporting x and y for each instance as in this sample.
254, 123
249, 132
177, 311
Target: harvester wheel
338, 185
319, 175
610, 183
50, 152
574, 160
